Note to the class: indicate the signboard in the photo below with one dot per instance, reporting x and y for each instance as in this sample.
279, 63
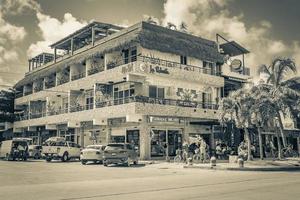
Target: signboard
165, 119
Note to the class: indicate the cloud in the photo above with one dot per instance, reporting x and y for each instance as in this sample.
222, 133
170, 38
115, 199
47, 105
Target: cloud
208, 17
52, 30
13, 7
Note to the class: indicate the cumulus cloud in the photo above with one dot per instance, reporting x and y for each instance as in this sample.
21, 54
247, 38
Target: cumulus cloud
208, 17
52, 30
14, 7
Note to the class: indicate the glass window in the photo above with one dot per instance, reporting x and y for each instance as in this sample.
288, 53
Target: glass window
161, 93
183, 60
152, 91
133, 55
126, 56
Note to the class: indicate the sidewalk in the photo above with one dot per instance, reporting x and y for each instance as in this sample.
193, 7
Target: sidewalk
256, 165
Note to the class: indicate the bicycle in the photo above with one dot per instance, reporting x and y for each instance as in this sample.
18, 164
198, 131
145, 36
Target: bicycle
198, 157
181, 156
289, 152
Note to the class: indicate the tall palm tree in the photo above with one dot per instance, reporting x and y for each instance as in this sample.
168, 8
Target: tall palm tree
279, 90
236, 107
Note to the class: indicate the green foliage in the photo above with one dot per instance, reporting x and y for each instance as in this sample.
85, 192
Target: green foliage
7, 105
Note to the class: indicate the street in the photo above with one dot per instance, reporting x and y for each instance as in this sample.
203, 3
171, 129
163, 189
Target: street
70, 181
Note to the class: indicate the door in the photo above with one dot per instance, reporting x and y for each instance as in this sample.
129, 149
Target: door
133, 137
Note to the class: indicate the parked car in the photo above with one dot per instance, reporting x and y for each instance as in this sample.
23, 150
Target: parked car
15, 149
35, 151
57, 148
120, 153
93, 153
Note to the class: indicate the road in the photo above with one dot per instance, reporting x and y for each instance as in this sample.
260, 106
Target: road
34, 180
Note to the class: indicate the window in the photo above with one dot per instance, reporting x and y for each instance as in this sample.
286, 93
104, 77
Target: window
179, 91
123, 92
207, 99
183, 60
89, 99
133, 55
156, 92
126, 56
208, 68
152, 91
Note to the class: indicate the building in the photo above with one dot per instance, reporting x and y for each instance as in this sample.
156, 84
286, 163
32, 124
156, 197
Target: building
145, 84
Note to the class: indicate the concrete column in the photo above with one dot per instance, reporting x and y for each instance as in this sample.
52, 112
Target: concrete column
55, 51
298, 145
72, 46
93, 36
145, 146
108, 134
43, 59
29, 65
212, 140
29, 110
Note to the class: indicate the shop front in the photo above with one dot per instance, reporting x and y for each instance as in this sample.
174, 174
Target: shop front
165, 140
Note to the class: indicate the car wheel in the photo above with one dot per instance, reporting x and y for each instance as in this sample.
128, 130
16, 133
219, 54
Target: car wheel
36, 156
104, 163
83, 162
48, 159
135, 162
65, 157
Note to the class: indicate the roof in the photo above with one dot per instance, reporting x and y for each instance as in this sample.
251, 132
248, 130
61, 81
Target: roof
82, 33
233, 49
148, 36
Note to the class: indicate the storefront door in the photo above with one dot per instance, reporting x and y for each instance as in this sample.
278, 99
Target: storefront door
160, 139
133, 137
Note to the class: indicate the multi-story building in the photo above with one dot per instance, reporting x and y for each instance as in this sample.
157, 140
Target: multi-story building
145, 84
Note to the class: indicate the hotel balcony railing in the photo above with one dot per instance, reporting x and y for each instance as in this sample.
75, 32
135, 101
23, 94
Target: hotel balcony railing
95, 70
27, 93
49, 84
138, 99
140, 58
63, 80
78, 76
18, 95
38, 88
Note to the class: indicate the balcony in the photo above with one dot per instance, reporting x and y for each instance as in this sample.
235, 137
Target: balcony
132, 99
78, 76
151, 65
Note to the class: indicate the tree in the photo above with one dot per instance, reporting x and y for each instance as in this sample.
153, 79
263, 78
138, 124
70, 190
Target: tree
236, 107
280, 92
7, 105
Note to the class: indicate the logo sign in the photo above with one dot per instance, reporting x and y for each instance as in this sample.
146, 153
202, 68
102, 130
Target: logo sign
236, 64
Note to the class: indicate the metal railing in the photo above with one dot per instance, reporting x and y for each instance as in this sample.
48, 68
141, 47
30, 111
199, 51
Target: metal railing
113, 102
78, 76
95, 70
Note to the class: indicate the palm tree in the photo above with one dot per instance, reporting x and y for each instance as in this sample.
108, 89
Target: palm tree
237, 108
280, 93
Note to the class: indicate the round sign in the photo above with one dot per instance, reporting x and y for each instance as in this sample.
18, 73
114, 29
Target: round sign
236, 64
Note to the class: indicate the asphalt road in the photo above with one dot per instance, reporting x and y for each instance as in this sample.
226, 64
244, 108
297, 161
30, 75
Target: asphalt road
36, 180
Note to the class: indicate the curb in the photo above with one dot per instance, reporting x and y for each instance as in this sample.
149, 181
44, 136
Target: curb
262, 169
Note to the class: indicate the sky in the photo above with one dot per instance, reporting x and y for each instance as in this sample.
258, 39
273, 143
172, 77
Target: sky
267, 28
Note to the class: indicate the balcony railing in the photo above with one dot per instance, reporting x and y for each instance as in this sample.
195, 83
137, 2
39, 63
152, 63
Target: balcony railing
145, 59
95, 70
38, 88
63, 80
138, 99
78, 76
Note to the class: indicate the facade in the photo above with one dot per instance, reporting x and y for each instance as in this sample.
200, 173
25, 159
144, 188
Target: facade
145, 84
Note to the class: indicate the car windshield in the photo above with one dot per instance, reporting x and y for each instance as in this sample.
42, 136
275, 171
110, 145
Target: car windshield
114, 147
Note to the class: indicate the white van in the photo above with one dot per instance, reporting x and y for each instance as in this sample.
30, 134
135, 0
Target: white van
17, 148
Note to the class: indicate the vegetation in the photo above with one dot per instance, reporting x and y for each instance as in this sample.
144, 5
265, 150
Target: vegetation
7, 105
265, 104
